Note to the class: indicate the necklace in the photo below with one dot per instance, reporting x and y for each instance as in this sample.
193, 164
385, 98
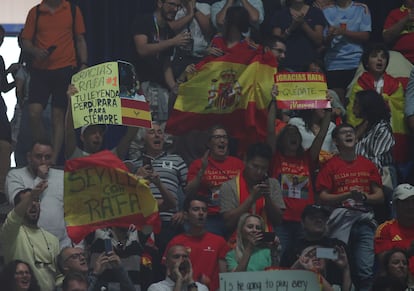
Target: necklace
38, 263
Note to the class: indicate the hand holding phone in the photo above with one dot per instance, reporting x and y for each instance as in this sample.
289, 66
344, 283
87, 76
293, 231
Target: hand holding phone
268, 237
108, 246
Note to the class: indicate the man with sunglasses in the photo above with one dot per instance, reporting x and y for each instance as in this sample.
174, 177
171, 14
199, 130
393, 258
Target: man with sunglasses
154, 42
75, 260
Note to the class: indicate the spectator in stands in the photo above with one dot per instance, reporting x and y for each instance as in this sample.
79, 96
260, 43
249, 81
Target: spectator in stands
375, 61
207, 250
352, 184
252, 251
309, 260
206, 175
56, 50
398, 30
349, 28
398, 232
154, 42
107, 266
21, 237
294, 168
18, 276
301, 26
37, 172
75, 281
5, 129
179, 272
395, 265
193, 17
254, 8
91, 136
314, 223
375, 137
253, 191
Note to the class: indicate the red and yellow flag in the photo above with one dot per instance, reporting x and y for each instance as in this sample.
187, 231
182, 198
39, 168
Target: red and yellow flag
100, 192
393, 93
232, 90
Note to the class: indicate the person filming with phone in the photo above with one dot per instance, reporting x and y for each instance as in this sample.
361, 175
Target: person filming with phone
179, 272
255, 249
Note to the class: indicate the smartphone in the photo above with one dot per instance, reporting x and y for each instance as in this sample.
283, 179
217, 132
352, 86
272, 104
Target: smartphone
51, 49
327, 253
108, 245
268, 236
146, 161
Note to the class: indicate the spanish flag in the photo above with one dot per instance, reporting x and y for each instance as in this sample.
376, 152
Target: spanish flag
232, 90
100, 192
393, 93
135, 113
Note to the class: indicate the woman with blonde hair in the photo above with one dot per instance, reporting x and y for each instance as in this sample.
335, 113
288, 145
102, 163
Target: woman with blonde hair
253, 251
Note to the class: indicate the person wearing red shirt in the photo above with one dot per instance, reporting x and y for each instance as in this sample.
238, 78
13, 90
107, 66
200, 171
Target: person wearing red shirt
351, 184
206, 175
398, 232
207, 250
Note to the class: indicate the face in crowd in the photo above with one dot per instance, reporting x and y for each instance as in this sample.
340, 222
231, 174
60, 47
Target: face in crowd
92, 138
169, 8
40, 154
218, 144
154, 139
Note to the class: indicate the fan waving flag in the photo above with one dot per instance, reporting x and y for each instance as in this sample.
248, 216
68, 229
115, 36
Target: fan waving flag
233, 90
100, 192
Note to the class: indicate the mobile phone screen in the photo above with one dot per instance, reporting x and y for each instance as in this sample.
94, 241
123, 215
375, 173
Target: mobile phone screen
268, 236
108, 245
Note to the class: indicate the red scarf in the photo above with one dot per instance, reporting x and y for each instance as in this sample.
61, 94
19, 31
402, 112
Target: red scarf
243, 192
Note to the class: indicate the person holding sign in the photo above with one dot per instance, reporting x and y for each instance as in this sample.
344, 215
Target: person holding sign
294, 168
92, 136
255, 250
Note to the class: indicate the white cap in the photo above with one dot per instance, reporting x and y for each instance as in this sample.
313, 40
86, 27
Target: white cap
403, 191
83, 128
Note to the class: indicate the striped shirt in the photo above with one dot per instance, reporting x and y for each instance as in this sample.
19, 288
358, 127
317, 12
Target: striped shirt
173, 174
376, 145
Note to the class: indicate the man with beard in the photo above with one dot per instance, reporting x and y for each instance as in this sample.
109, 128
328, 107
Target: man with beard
179, 272
207, 250
352, 184
22, 239
154, 42
74, 260
38, 171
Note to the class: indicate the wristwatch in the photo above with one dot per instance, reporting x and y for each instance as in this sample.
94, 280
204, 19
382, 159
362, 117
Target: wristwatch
191, 286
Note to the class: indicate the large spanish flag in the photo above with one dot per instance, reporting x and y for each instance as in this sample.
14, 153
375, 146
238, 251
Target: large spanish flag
232, 90
393, 93
100, 192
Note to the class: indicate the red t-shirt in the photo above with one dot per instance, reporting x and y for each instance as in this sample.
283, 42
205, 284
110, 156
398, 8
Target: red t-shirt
339, 176
405, 42
294, 175
217, 173
205, 252
390, 235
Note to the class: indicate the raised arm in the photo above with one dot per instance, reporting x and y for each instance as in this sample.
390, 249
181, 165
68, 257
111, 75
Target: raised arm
70, 134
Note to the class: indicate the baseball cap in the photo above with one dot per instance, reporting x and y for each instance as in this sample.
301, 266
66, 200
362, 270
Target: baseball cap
313, 209
403, 191
83, 128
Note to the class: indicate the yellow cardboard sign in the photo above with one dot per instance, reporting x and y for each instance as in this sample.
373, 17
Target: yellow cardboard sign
97, 101
103, 194
301, 90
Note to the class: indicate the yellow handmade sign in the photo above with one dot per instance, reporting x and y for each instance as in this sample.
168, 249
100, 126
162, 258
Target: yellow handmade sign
97, 100
103, 194
301, 90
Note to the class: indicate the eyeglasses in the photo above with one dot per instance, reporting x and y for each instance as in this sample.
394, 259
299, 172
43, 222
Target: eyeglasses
75, 256
177, 256
346, 131
175, 5
217, 136
22, 273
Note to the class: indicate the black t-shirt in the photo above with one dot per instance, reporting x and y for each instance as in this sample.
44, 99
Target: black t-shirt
150, 68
